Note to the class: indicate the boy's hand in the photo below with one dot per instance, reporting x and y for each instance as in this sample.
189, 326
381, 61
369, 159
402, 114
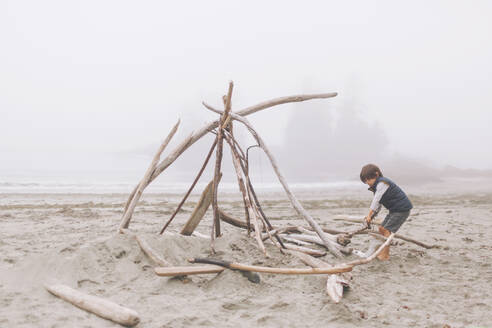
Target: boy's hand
368, 220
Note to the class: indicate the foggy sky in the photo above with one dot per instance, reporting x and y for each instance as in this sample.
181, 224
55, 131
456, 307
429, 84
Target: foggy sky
96, 85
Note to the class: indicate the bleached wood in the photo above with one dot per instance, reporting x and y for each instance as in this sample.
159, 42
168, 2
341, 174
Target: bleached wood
187, 270
296, 241
199, 210
284, 100
307, 250
99, 306
247, 201
125, 220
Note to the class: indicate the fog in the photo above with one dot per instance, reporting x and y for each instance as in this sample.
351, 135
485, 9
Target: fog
95, 86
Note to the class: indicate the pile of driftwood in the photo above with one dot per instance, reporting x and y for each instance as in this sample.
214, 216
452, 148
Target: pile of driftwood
293, 240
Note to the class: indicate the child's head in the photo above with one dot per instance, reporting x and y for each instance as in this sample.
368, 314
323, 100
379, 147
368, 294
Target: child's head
370, 173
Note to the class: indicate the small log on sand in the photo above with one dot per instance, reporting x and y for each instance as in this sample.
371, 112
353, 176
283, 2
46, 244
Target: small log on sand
187, 270
147, 249
99, 306
254, 268
199, 211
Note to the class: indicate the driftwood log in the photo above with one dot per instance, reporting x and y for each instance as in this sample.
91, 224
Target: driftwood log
252, 213
254, 268
99, 306
199, 211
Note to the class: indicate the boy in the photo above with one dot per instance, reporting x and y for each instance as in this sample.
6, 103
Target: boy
386, 193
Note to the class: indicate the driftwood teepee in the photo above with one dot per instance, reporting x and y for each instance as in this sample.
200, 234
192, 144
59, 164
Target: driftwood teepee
294, 240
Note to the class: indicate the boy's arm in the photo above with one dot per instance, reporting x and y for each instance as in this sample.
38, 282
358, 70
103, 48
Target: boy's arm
375, 204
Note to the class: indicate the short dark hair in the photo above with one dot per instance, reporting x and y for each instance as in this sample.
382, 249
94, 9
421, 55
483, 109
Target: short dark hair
370, 171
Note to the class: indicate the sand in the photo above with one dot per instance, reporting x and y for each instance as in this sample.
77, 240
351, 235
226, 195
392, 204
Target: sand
70, 239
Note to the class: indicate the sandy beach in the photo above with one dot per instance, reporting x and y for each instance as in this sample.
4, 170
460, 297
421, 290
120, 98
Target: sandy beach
71, 239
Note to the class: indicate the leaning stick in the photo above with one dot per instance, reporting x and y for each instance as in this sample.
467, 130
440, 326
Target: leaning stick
257, 204
199, 211
125, 221
240, 181
330, 245
254, 268
246, 199
147, 249
284, 100
247, 192
224, 121
99, 306
191, 187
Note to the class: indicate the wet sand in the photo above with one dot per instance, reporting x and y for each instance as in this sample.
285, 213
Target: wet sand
70, 238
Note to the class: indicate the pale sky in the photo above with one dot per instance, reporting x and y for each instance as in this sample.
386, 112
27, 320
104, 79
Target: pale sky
83, 79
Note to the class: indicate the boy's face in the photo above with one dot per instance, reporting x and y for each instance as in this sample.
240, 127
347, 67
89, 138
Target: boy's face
370, 182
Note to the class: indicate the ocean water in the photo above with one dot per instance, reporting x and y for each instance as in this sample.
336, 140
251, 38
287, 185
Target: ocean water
52, 183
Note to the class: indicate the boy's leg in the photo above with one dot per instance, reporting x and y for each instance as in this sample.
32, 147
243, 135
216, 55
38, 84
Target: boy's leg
392, 222
384, 255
